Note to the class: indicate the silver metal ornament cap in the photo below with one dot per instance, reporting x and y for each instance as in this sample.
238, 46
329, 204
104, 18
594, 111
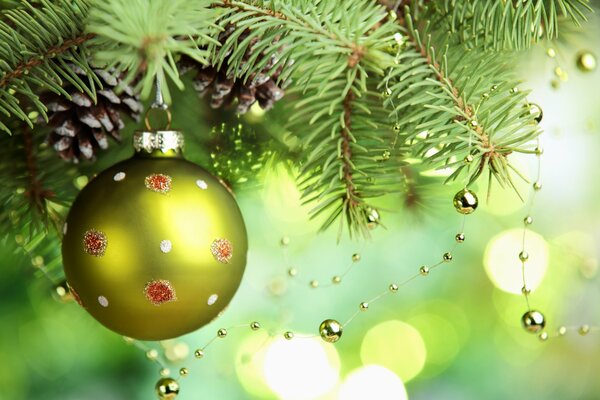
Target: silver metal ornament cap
165, 141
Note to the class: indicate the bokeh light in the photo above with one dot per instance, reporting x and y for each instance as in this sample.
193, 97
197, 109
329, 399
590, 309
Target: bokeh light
303, 368
372, 382
395, 345
502, 264
249, 363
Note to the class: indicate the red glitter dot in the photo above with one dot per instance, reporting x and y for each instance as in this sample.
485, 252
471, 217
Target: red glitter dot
94, 242
158, 183
222, 250
159, 292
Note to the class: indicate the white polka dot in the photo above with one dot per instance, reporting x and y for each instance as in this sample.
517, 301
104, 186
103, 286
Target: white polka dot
103, 301
65, 229
166, 246
212, 299
201, 184
119, 176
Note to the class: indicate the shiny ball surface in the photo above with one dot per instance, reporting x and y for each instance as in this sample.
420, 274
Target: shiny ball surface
167, 388
330, 330
533, 321
155, 247
465, 201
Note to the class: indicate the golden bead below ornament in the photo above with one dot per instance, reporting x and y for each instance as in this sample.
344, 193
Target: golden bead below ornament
460, 237
533, 321
164, 372
528, 220
288, 335
364, 306
525, 291
222, 333
523, 256
314, 284
586, 61
537, 186
447, 257
465, 201
330, 330
336, 280
584, 330
167, 388
355, 257
562, 331
184, 372
543, 336
393, 288
424, 271
152, 354
292, 272
255, 326
199, 353
468, 159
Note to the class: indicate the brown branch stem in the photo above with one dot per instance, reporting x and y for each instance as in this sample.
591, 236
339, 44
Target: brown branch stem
25, 66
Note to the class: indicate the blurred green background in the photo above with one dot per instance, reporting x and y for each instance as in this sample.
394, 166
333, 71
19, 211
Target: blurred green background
454, 335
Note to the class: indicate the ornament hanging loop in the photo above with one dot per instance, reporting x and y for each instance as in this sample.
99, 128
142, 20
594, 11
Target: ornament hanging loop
158, 105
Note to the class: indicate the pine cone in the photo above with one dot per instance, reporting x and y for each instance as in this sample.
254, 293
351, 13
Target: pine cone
224, 89
80, 127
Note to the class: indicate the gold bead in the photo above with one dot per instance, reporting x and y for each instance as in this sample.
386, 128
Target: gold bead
533, 321
336, 279
468, 159
543, 336
372, 217
460, 237
386, 93
396, 128
355, 257
255, 326
424, 270
167, 388
474, 123
164, 372
63, 292
539, 151
222, 333
128, 340
199, 353
465, 201
535, 111
562, 331
537, 186
330, 330
485, 96
586, 61
184, 372
152, 354
288, 335
393, 288
364, 306
551, 52
514, 90
523, 256
528, 220
386, 155
494, 87
285, 241
525, 291
584, 330
447, 257
292, 272
314, 284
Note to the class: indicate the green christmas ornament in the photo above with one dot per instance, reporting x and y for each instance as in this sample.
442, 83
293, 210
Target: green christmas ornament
155, 246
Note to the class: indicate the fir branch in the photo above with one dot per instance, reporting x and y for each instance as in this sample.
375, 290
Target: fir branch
144, 37
448, 116
502, 24
37, 44
329, 50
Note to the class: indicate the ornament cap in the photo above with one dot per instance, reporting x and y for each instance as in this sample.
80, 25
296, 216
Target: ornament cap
168, 142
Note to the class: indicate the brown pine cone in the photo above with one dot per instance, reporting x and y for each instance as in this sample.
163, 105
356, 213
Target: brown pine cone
80, 127
224, 89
